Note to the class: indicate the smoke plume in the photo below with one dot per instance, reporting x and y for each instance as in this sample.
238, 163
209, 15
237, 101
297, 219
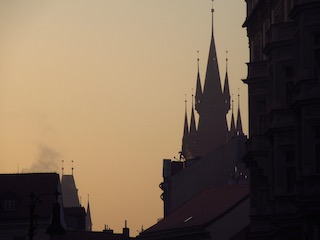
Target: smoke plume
47, 160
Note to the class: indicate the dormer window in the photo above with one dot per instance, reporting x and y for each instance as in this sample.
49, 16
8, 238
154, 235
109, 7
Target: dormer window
9, 205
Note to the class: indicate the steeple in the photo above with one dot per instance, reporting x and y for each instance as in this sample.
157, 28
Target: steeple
226, 91
212, 85
88, 218
210, 103
186, 127
212, 126
198, 96
239, 122
193, 128
232, 131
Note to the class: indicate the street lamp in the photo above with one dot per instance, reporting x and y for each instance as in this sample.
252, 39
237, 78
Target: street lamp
55, 228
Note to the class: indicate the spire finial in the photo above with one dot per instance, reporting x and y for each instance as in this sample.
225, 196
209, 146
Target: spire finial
212, 10
232, 104
62, 168
198, 59
72, 167
238, 98
192, 97
185, 101
227, 60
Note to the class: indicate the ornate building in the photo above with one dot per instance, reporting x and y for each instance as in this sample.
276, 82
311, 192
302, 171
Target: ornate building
212, 105
211, 153
283, 151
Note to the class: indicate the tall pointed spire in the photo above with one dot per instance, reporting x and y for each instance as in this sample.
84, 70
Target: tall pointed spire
210, 103
186, 127
239, 122
198, 96
226, 91
193, 128
232, 125
212, 127
212, 85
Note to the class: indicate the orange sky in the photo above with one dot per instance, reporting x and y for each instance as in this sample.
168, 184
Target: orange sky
103, 83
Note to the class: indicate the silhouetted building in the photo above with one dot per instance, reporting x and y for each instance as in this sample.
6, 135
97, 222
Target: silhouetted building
205, 194
284, 118
27, 202
75, 215
212, 105
213, 213
211, 153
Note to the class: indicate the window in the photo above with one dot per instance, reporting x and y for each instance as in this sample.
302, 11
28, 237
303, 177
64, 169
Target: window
288, 85
278, 14
9, 205
265, 28
256, 49
316, 138
316, 43
290, 171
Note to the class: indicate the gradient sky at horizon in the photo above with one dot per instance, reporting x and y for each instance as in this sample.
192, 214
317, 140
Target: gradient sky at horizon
103, 83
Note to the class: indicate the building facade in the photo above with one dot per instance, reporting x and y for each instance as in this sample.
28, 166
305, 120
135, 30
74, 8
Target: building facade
283, 150
211, 150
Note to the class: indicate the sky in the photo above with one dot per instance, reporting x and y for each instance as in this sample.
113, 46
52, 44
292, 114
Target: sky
103, 83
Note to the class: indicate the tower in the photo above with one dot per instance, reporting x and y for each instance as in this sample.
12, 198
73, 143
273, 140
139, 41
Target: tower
212, 104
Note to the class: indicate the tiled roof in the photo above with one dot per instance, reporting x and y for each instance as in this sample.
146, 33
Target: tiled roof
18, 187
204, 208
69, 191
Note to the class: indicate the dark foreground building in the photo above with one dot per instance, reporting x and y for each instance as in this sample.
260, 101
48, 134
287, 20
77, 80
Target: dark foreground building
37, 206
284, 118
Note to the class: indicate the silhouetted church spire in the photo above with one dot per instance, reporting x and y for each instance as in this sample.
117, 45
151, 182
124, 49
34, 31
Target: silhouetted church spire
210, 103
186, 127
226, 91
239, 122
193, 128
88, 218
198, 96
232, 131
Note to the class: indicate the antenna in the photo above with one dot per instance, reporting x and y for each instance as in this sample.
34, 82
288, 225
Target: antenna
62, 168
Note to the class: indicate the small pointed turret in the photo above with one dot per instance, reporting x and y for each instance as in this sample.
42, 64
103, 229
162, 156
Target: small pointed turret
186, 127
193, 128
239, 122
226, 91
198, 96
88, 218
232, 131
